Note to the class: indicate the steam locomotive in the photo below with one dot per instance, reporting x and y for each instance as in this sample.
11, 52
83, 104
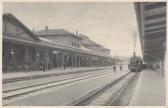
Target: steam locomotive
135, 64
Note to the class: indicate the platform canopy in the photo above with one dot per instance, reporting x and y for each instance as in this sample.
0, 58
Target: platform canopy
151, 19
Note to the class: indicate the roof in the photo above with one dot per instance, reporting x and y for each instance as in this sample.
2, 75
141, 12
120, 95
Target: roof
87, 42
55, 32
11, 17
103, 48
151, 18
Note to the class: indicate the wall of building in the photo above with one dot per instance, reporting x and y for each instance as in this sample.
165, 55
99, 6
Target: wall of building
93, 48
65, 40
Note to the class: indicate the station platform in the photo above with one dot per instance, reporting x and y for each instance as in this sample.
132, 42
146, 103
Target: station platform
150, 90
10, 75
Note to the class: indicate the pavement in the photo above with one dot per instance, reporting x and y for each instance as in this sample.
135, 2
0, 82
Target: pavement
150, 90
10, 75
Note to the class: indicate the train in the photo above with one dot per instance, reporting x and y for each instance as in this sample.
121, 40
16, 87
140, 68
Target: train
135, 64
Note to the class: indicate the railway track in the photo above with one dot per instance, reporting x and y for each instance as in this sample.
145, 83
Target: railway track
14, 94
63, 79
124, 95
10, 80
86, 100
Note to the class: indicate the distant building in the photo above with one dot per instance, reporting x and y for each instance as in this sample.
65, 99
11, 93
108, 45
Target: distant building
60, 36
105, 50
89, 44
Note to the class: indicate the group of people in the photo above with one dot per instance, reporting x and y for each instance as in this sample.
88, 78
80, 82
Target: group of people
44, 66
114, 68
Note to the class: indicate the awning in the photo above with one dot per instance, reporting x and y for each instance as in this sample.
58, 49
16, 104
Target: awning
51, 45
151, 18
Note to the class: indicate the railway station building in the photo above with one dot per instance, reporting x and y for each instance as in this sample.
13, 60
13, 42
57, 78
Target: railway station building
26, 50
89, 44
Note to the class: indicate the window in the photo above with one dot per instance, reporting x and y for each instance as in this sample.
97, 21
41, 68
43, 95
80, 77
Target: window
75, 44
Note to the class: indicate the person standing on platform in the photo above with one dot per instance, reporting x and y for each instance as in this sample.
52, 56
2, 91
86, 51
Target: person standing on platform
64, 65
44, 66
120, 68
41, 65
114, 68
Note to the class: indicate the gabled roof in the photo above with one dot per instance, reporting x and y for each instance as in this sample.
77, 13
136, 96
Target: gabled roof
55, 32
11, 17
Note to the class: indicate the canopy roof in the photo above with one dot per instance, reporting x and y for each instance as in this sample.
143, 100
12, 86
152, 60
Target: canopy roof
151, 18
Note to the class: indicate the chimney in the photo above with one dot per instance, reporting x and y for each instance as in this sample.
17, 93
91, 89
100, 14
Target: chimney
46, 27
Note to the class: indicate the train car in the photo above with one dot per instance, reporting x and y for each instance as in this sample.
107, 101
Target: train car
136, 64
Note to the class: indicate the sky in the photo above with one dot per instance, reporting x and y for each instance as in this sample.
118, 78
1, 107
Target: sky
109, 24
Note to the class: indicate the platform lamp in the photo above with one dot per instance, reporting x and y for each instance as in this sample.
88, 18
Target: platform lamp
38, 54
38, 58
12, 53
